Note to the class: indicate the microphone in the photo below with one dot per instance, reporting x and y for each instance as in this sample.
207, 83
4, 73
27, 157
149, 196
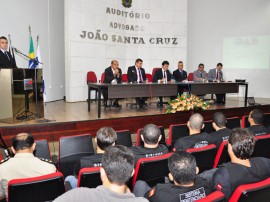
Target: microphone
16, 50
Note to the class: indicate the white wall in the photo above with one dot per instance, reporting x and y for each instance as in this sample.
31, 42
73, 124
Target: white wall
46, 18
167, 19
209, 21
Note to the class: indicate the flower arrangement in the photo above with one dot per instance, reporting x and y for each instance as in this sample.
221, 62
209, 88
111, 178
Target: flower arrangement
186, 103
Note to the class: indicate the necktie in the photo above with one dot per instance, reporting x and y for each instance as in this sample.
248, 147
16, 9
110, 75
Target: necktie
164, 75
7, 55
217, 76
140, 75
201, 75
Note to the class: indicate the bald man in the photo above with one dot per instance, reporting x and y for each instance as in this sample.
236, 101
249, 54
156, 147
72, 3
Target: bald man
24, 164
196, 138
113, 74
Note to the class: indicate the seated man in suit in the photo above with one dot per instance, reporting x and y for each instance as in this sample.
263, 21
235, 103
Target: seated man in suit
217, 75
113, 74
186, 186
136, 74
221, 132
162, 75
6, 59
200, 75
196, 138
180, 75
255, 120
242, 169
105, 137
150, 135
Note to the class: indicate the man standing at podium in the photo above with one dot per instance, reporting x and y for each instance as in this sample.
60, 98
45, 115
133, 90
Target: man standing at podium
6, 59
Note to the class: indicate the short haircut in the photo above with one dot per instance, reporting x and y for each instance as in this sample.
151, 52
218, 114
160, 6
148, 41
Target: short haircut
106, 136
3, 37
182, 166
118, 163
151, 134
243, 143
180, 62
165, 63
257, 116
196, 121
201, 64
138, 60
219, 119
22, 141
220, 64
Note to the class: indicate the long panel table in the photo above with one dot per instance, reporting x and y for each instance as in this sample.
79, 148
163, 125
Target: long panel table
128, 90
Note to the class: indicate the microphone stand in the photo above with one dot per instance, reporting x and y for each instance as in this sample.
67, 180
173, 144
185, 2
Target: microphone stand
26, 114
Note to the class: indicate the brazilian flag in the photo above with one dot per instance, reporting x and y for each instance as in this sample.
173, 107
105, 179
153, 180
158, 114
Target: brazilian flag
32, 64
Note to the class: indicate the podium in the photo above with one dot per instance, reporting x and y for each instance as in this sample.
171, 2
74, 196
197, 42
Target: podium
13, 99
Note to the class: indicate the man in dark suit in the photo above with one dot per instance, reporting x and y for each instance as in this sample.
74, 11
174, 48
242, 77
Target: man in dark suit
136, 74
6, 59
113, 74
180, 75
162, 75
216, 75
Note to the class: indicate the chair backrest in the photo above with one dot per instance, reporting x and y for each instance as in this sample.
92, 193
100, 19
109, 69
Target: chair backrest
139, 141
262, 146
36, 189
190, 77
71, 149
176, 131
266, 121
205, 156
245, 122
233, 122
91, 77
124, 138
149, 77
216, 196
154, 71
42, 149
89, 177
259, 191
222, 154
102, 78
124, 78
152, 170
208, 127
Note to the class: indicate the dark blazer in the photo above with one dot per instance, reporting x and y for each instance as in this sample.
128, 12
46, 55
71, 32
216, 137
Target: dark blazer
5, 62
132, 74
109, 76
179, 77
159, 75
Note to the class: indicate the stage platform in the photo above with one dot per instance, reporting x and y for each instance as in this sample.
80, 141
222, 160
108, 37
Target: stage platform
73, 118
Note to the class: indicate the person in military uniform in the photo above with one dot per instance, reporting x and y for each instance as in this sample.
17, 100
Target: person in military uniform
24, 164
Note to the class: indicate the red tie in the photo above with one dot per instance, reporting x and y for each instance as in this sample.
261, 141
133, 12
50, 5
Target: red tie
164, 75
217, 76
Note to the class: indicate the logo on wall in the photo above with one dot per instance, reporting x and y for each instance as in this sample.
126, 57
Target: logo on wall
127, 3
